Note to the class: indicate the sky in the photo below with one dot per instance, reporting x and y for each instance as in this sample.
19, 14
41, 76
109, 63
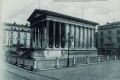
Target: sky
96, 11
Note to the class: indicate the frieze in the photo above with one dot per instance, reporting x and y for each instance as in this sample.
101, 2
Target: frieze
69, 21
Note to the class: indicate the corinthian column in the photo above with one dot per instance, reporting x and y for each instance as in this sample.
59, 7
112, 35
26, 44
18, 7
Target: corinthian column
35, 37
47, 34
81, 37
66, 35
77, 36
72, 34
39, 36
89, 38
59, 35
84, 37
54, 34
93, 33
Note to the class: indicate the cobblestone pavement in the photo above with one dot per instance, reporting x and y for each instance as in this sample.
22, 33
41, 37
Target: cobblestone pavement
99, 71
12, 72
103, 71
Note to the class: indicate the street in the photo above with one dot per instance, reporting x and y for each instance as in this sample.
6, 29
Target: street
99, 71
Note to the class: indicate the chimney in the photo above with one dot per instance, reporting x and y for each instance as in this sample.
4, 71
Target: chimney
107, 23
26, 24
14, 23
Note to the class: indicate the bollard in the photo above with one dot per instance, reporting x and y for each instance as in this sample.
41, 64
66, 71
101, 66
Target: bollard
56, 62
31, 68
16, 61
10, 59
115, 57
74, 61
23, 64
107, 58
34, 64
98, 58
87, 60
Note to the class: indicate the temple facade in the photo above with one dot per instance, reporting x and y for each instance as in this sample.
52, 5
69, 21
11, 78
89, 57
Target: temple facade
49, 34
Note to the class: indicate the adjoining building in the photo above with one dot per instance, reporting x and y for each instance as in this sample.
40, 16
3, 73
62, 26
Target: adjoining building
16, 35
50, 34
109, 38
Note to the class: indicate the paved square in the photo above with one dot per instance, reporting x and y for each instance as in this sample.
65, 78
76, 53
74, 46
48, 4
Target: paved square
99, 71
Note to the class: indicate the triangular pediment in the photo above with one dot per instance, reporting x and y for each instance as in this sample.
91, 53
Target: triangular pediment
36, 13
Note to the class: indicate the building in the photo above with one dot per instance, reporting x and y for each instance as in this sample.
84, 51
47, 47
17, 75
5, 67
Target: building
16, 35
109, 38
50, 34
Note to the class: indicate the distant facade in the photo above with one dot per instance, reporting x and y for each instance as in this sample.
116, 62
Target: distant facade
109, 38
16, 36
50, 34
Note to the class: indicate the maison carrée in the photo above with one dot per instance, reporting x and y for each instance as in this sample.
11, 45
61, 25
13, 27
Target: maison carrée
52, 34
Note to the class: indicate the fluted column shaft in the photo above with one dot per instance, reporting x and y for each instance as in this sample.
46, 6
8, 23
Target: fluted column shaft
35, 37
74, 36
85, 41
47, 34
93, 38
88, 38
66, 34
39, 37
59, 35
54, 34
81, 36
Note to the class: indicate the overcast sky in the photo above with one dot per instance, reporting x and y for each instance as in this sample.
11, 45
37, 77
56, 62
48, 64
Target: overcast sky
97, 11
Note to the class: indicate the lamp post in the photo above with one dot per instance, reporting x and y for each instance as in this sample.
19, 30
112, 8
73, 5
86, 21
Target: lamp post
70, 39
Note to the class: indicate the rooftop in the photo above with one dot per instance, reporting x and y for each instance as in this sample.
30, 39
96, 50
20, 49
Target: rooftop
113, 23
110, 25
17, 25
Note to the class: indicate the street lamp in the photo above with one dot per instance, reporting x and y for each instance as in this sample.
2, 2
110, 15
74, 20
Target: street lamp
70, 39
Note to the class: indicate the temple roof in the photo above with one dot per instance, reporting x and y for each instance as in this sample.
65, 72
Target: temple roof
46, 12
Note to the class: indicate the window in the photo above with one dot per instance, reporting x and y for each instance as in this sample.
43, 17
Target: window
118, 32
101, 33
11, 28
109, 33
109, 39
18, 42
118, 39
18, 35
25, 35
11, 35
25, 41
11, 41
101, 40
14, 28
22, 29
